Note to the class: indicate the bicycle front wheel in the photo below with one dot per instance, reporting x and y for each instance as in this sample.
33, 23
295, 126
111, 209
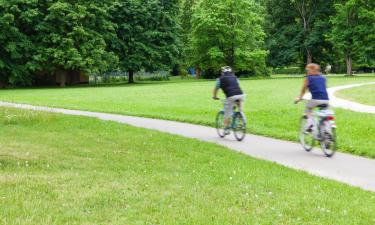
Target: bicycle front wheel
220, 124
306, 136
239, 126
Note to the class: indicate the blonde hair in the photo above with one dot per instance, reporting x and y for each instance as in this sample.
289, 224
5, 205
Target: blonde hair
314, 67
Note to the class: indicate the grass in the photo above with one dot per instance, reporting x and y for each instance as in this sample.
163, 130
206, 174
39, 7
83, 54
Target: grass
57, 169
269, 106
364, 94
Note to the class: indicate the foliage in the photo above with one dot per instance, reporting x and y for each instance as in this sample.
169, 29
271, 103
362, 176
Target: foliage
16, 46
353, 31
296, 31
60, 37
158, 76
185, 18
54, 36
70, 37
228, 33
146, 34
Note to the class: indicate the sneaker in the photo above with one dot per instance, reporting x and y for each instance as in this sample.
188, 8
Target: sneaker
227, 131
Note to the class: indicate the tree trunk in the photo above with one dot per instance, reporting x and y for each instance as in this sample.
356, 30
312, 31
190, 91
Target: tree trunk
198, 73
131, 76
308, 56
349, 64
61, 73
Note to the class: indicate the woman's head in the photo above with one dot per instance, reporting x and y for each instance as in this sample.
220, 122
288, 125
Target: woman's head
313, 69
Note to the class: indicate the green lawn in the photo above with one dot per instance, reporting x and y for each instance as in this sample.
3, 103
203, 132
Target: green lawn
269, 106
57, 169
364, 94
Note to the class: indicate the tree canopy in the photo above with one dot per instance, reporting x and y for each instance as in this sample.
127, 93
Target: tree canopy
228, 33
353, 32
54, 39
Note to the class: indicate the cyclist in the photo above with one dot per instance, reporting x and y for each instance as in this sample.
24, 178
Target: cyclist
229, 83
316, 83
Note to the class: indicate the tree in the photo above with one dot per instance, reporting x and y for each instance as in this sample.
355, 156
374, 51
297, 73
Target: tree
228, 33
146, 34
297, 31
71, 37
16, 46
53, 37
353, 32
186, 29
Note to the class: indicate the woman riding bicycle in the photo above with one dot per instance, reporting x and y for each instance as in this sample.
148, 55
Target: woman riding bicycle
316, 83
228, 82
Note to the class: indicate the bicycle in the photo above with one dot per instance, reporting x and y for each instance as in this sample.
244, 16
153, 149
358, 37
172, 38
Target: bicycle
323, 130
238, 123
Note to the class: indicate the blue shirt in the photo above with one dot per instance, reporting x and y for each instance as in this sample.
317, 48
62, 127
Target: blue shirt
318, 87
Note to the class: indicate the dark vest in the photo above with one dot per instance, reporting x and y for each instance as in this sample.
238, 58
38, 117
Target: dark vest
229, 84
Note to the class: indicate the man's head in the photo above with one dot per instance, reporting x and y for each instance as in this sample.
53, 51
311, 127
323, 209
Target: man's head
226, 69
313, 69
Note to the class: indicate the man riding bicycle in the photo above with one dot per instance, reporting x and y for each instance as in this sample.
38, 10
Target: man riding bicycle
229, 83
316, 83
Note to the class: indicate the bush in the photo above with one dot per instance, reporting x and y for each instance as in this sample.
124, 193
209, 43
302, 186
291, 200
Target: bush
153, 77
184, 74
288, 70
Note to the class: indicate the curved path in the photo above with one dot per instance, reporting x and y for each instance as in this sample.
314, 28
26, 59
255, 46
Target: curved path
349, 105
353, 170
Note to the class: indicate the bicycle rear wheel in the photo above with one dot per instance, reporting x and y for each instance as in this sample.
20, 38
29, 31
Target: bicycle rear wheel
220, 128
239, 126
328, 140
306, 138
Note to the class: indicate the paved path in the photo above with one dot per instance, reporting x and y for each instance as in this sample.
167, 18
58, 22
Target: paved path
353, 170
349, 105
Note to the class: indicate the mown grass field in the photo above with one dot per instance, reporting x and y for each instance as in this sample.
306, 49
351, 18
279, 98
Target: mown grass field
57, 169
269, 106
364, 94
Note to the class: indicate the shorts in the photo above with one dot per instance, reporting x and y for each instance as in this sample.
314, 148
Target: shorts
230, 103
311, 104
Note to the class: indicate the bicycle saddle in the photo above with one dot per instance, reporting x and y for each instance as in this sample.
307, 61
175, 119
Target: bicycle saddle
323, 106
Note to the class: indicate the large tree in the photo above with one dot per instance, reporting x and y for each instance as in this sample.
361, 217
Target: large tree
146, 34
53, 37
228, 33
353, 32
297, 31
186, 13
16, 18
71, 37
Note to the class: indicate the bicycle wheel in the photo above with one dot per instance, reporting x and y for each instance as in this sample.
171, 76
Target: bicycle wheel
328, 140
306, 138
220, 124
239, 126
